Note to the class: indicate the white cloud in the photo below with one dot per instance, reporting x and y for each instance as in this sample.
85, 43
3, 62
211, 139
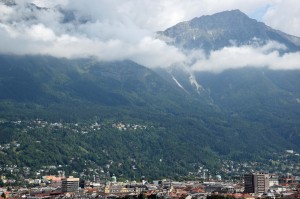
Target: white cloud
51, 3
95, 28
155, 53
5, 11
248, 56
117, 29
41, 33
284, 15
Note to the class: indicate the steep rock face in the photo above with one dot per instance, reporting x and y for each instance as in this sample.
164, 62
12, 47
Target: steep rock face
224, 29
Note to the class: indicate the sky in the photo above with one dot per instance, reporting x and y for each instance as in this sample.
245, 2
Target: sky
125, 29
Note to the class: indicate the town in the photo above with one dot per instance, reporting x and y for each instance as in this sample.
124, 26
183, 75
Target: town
253, 185
279, 177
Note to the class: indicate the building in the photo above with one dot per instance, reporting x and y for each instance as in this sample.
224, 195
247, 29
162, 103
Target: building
249, 184
261, 182
273, 181
69, 185
256, 183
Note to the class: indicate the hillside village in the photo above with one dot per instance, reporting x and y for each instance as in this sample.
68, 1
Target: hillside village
99, 181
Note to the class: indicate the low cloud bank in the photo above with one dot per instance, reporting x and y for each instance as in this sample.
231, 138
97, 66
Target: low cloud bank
111, 30
65, 32
233, 57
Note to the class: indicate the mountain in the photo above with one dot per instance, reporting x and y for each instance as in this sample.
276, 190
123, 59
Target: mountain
52, 90
231, 118
50, 81
123, 118
256, 94
224, 29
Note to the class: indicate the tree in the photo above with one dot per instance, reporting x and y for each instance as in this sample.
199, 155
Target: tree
3, 195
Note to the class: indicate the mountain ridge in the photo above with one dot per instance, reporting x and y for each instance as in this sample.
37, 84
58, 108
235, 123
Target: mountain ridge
212, 32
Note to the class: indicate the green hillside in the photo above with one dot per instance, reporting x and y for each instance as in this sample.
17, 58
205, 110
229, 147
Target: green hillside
48, 106
265, 97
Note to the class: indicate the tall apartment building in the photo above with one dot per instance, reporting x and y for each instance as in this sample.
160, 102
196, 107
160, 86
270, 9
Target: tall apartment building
256, 182
249, 183
69, 185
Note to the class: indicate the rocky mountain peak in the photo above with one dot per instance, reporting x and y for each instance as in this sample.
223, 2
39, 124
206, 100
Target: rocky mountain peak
212, 32
226, 20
